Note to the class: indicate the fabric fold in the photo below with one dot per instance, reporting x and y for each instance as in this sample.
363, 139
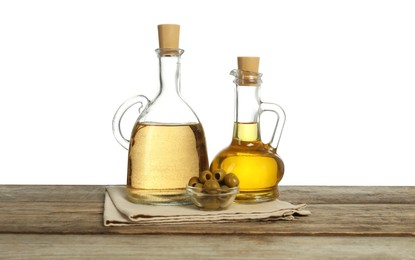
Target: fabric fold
118, 211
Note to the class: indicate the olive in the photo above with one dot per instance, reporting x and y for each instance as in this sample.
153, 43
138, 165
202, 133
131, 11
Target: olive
219, 174
198, 185
231, 180
204, 176
224, 189
211, 186
192, 182
211, 203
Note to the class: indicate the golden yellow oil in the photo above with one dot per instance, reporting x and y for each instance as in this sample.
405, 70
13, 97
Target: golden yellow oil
259, 170
162, 159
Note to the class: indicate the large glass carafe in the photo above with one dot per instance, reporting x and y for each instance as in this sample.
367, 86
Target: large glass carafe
256, 164
167, 145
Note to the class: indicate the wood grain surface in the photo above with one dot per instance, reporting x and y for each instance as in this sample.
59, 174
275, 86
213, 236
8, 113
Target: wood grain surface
28, 246
359, 221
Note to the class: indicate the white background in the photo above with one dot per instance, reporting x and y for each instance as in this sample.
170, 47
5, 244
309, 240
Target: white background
344, 71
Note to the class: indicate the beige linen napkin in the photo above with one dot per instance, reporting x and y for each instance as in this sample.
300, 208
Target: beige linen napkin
118, 211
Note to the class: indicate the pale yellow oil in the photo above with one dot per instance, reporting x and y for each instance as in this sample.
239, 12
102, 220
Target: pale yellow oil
258, 168
162, 159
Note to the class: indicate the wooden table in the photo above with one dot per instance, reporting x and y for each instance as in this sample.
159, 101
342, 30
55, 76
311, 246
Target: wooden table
50, 222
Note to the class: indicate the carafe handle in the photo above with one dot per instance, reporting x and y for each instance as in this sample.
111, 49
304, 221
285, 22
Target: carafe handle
276, 135
116, 121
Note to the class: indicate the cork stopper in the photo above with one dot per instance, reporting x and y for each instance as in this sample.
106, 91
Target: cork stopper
169, 36
248, 71
248, 64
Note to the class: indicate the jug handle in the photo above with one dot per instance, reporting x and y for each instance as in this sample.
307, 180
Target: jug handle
276, 135
116, 121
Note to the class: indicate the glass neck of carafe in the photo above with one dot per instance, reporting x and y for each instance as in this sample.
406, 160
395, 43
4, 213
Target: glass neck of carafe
169, 72
247, 102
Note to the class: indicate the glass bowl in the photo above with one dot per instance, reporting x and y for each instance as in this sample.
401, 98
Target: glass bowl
212, 200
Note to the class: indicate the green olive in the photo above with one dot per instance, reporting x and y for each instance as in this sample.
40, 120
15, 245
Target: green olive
211, 186
192, 182
198, 185
219, 174
231, 180
211, 203
224, 189
205, 176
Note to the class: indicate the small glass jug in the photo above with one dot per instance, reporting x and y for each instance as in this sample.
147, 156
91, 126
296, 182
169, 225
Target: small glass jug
256, 164
167, 145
